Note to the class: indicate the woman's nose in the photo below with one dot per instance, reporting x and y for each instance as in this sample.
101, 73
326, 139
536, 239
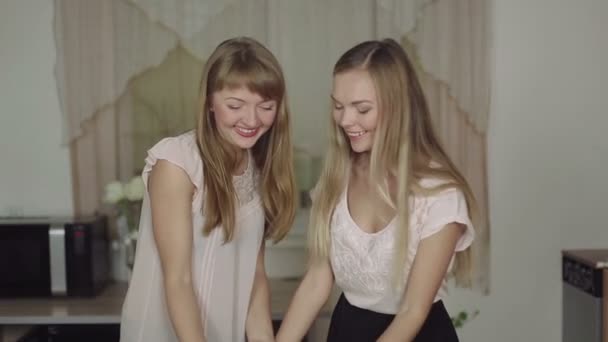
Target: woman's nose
251, 117
347, 118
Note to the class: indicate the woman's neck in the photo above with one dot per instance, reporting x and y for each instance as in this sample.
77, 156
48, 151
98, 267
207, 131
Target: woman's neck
360, 163
242, 161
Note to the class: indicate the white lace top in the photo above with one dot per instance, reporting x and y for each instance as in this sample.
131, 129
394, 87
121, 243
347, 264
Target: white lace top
362, 262
222, 273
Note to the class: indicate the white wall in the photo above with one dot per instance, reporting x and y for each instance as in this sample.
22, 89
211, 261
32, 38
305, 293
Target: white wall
548, 162
34, 169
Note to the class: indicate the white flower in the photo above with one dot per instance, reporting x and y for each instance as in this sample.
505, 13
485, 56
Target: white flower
114, 192
134, 235
134, 190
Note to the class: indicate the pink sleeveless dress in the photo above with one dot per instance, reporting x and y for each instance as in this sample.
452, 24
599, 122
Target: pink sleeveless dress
222, 273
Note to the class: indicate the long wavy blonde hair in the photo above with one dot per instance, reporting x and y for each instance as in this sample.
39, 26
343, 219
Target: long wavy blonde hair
404, 148
236, 63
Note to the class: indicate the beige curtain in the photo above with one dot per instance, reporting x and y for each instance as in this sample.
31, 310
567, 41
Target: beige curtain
127, 73
450, 42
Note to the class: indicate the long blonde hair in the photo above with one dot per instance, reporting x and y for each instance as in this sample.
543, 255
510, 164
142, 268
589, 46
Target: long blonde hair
235, 63
405, 145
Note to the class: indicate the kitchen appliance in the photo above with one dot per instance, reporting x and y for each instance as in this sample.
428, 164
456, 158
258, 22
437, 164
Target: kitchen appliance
43, 257
585, 295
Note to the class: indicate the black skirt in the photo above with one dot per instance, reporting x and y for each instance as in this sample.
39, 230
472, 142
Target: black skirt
352, 324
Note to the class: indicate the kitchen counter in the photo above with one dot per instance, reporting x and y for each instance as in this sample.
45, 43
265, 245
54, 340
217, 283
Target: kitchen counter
106, 307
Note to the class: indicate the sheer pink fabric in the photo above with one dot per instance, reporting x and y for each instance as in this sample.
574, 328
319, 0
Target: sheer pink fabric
223, 273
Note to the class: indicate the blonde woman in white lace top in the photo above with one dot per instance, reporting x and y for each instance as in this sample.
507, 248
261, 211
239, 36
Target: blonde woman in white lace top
391, 215
213, 196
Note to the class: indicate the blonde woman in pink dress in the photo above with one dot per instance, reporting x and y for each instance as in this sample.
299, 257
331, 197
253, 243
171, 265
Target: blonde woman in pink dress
213, 196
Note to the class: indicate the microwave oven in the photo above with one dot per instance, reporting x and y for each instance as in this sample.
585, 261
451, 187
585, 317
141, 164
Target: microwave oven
45, 257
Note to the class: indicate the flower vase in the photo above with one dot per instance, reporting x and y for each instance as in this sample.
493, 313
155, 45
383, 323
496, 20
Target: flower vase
133, 210
130, 248
120, 266
126, 200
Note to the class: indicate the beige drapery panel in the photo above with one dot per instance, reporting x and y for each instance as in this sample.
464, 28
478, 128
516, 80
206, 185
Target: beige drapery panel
107, 53
450, 42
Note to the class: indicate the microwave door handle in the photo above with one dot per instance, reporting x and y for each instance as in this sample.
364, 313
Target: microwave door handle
57, 259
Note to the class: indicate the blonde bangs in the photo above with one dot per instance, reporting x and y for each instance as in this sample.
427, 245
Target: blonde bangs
256, 77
